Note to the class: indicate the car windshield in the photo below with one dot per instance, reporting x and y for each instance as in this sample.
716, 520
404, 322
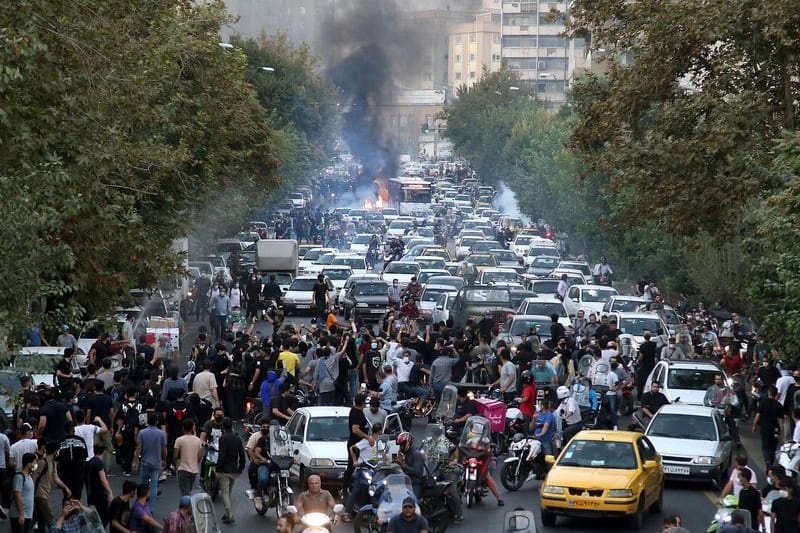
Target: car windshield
469, 241
505, 255
490, 277
312, 255
425, 232
584, 268
522, 241
328, 428
361, 239
518, 296
326, 258
396, 267
545, 287
371, 289
682, 426
637, 326
303, 284
543, 308
545, 262
452, 281
389, 211
443, 254
599, 454
520, 326
356, 263
357, 213
399, 224
482, 260
544, 250
625, 305
597, 295
431, 295
483, 246
488, 296
430, 262
690, 378
228, 247
283, 278
337, 273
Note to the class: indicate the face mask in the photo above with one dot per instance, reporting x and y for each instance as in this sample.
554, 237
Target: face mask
405, 359
395, 284
35, 467
769, 481
374, 345
265, 431
614, 365
218, 418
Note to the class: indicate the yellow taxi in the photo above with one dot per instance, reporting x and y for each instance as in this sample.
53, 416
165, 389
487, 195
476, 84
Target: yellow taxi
604, 474
481, 261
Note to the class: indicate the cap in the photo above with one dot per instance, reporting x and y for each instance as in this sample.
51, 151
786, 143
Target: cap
27, 427
409, 501
291, 509
186, 501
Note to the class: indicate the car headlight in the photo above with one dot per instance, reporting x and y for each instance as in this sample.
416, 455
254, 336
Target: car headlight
288, 300
553, 489
620, 493
362, 305
704, 460
322, 463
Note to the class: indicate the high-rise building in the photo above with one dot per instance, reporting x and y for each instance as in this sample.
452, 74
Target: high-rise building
534, 45
474, 48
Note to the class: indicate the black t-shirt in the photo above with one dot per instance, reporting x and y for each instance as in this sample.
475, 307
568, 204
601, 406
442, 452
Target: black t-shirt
786, 511
770, 411
356, 417
648, 349
283, 404
101, 405
320, 290
93, 485
654, 401
72, 455
399, 524
468, 406
56, 413
371, 369
65, 367
750, 500
118, 510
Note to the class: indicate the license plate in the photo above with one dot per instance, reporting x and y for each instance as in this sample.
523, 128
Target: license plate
680, 470
302, 306
376, 311
584, 503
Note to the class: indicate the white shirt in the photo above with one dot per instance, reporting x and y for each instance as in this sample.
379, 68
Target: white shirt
796, 434
562, 289
236, 297
508, 376
366, 452
87, 433
612, 384
404, 370
569, 405
20, 448
737, 487
782, 385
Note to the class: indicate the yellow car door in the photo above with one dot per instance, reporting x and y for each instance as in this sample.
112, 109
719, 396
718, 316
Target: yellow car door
652, 477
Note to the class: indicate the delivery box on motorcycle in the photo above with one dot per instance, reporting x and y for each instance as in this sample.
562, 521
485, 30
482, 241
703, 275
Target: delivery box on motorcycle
494, 411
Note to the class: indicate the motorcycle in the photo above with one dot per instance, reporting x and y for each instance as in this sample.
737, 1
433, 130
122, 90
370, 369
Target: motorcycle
788, 457
475, 450
209, 481
387, 497
320, 522
525, 459
722, 517
277, 493
368, 473
438, 489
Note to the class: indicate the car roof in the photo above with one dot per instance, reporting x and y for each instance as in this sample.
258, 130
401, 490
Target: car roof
532, 318
448, 288
336, 267
323, 410
685, 409
608, 435
628, 298
634, 314
500, 269
693, 365
591, 286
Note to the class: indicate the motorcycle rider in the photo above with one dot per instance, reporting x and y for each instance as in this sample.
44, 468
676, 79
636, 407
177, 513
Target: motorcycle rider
570, 414
721, 396
465, 408
653, 400
527, 404
543, 427
411, 461
602, 273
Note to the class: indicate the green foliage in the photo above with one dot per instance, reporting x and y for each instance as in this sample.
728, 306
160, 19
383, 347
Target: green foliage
116, 119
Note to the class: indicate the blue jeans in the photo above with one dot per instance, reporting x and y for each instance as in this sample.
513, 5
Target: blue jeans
612, 406
263, 477
150, 474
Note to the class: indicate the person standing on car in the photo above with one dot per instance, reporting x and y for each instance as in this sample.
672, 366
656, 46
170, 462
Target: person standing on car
319, 298
231, 463
359, 429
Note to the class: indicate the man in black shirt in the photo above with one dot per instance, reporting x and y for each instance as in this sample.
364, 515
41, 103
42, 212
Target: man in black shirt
359, 429
64, 370
749, 498
786, 510
283, 406
770, 422
653, 400
120, 508
52, 416
465, 408
319, 298
71, 458
645, 362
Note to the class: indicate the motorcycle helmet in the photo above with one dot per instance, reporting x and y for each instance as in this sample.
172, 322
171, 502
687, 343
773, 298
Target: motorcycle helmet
404, 441
527, 377
562, 392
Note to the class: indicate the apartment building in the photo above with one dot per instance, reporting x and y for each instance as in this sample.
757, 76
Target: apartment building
533, 44
474, 49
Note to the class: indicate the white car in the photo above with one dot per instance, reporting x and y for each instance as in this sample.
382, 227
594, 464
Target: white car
588, 297
298, 200
505, 258
338, 274
426, 273
694, 442
490, 276
685, 380
430, 297
298, 297
360, 243
312, 257
521, 245
357, 263
464, 248
397, 228
635, 324
463, 200
390, 214
429, 262
624, 303
535, 252
320, 438
546, 305
441, 312
402, 271
465, 233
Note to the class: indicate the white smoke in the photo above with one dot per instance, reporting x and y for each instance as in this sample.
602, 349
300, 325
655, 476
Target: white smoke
506, 202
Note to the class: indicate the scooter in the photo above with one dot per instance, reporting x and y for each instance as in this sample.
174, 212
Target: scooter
722, 517
788, 457
277, 493
320, 522
525, 460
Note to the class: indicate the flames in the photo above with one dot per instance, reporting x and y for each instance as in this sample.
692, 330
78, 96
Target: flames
369, 205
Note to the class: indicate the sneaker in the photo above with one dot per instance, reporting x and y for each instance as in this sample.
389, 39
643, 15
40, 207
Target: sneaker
3, 513
458, 520
127, 474
250, 493
616, 428
500, 502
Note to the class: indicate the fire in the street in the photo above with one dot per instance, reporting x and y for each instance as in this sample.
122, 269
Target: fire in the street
369, 205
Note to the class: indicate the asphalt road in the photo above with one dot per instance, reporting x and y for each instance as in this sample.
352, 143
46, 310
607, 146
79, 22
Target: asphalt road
693, 502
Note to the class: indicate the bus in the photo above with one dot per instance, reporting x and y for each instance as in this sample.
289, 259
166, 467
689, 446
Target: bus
410, 194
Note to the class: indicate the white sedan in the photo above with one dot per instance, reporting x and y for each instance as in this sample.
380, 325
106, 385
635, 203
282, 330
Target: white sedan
402, 271
320, 438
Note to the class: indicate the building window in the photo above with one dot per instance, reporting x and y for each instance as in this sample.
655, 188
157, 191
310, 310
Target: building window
496, 39
541, 87
458, 58
495, 57
552, 41
458, 39
427, 76
519, 41
473, 37
458, 75
472, 58
472, 75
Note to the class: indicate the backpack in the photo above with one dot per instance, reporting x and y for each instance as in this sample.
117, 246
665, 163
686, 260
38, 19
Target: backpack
199, 353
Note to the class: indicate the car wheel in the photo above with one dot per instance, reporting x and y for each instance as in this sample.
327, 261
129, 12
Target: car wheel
658, 505
637, 520
548, 519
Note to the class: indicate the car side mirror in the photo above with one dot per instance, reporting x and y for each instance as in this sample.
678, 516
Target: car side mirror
649, 465
574, 300
550, 459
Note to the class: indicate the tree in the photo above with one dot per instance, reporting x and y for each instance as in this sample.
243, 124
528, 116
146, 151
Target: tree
116, 120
